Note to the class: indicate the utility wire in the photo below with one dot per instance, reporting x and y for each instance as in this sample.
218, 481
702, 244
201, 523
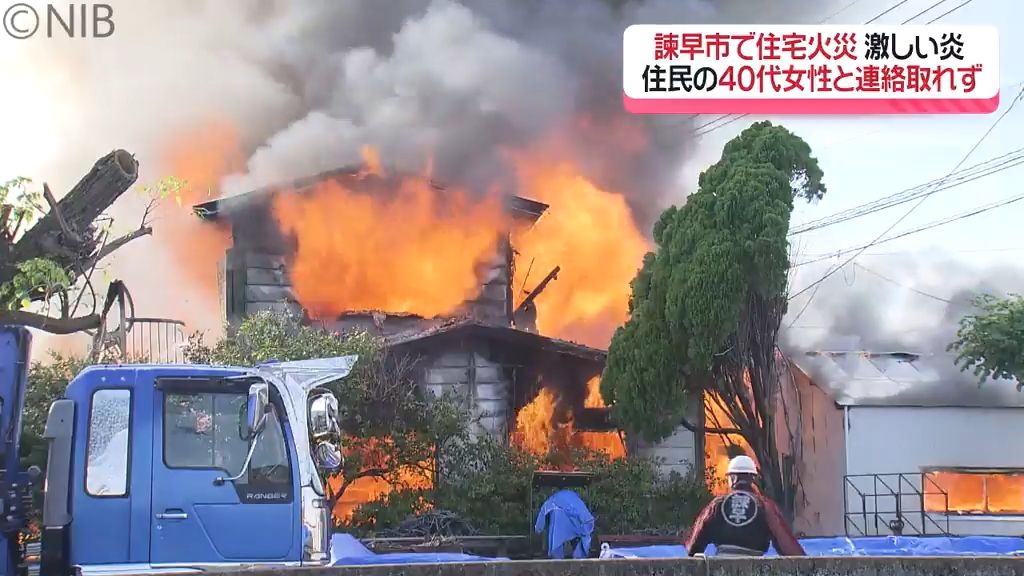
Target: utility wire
714, 124
878, 238
950, 11
890, 9
840, 11
905, 252
976, 172
904, 286
929, 226
925, 11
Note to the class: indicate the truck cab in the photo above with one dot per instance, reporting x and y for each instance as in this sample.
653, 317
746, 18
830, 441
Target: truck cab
178, 468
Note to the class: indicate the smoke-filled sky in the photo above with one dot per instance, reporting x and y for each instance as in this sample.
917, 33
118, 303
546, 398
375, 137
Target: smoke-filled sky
458, 84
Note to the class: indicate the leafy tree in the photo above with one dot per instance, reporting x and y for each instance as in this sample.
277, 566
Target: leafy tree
390, 431
706, 306
991, 342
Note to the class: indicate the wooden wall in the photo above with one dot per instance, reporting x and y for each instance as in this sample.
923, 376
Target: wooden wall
254, 281
467, 372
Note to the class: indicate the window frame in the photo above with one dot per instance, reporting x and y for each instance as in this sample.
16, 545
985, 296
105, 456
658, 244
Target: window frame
131, 442
215, 385
985, 473
163, 448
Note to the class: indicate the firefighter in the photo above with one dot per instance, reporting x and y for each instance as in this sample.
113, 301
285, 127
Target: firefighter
743, 522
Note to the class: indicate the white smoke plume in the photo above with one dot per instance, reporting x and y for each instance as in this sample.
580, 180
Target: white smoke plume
899, 303
307, 83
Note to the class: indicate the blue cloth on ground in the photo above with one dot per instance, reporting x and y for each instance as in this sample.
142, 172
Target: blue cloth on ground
348, 551
865, 546
566, 517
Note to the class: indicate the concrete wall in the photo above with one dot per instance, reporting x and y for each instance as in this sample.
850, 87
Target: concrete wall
884, 440
685, 567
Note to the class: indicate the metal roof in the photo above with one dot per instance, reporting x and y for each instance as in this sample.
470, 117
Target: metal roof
903, 379
505, 334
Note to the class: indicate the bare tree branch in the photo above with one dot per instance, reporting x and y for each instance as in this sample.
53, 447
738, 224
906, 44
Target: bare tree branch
72, 235
49, 324
706, 430
117, 243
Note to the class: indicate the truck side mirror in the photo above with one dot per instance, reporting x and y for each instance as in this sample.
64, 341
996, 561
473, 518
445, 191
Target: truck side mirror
323, 416
256, 407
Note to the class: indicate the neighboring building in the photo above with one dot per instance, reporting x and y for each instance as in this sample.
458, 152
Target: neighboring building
881, 432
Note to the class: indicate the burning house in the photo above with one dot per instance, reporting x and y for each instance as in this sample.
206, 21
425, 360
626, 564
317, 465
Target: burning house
471, 331
904, 443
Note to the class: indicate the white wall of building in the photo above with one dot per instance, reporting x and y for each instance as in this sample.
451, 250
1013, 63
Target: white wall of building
677, 453
884, 440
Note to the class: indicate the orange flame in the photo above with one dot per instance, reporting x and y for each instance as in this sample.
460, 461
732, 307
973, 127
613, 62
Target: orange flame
371, 488
974, 492
591, 234
594, 398
607, 442
417, 250
535, 424
717, 447
371, 161
537, 430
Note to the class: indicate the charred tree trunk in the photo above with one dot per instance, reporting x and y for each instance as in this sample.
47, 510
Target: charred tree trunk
67, 234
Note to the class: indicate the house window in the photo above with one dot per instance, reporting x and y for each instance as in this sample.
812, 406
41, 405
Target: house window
975, 491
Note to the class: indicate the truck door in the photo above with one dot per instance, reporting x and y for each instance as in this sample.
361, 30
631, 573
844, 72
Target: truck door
199, 429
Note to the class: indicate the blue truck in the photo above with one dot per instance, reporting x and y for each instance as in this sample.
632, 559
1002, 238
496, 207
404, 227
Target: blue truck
173, 468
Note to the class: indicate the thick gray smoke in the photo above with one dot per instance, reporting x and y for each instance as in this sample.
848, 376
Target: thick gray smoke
307, 83
899, 303
462, 83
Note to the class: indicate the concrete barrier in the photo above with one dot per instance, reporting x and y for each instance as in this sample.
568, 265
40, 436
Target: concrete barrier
889, 566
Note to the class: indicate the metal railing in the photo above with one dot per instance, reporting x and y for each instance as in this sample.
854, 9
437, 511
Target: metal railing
157, 340
897, 504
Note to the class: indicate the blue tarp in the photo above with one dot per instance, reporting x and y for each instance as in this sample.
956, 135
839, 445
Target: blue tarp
566, 517
347, 551
872, 546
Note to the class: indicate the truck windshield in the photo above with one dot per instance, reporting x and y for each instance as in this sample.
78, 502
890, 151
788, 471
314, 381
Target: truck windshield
206, 430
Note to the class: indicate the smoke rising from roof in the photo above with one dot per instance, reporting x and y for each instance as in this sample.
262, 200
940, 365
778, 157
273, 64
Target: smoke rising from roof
900, 303
307, 83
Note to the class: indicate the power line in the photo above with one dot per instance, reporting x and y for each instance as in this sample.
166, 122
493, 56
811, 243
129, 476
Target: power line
890, 9
929, 226
700, 130
820, 256
950, 11
925, 11
840, 11
976, 172
878, 238
806, 305
904, 286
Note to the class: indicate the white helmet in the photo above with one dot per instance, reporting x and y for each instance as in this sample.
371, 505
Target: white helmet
742, 465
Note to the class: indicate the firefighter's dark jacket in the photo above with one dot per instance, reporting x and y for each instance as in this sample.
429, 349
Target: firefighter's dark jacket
745, 518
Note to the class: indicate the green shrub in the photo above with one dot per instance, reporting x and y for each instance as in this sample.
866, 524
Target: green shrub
489, 488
